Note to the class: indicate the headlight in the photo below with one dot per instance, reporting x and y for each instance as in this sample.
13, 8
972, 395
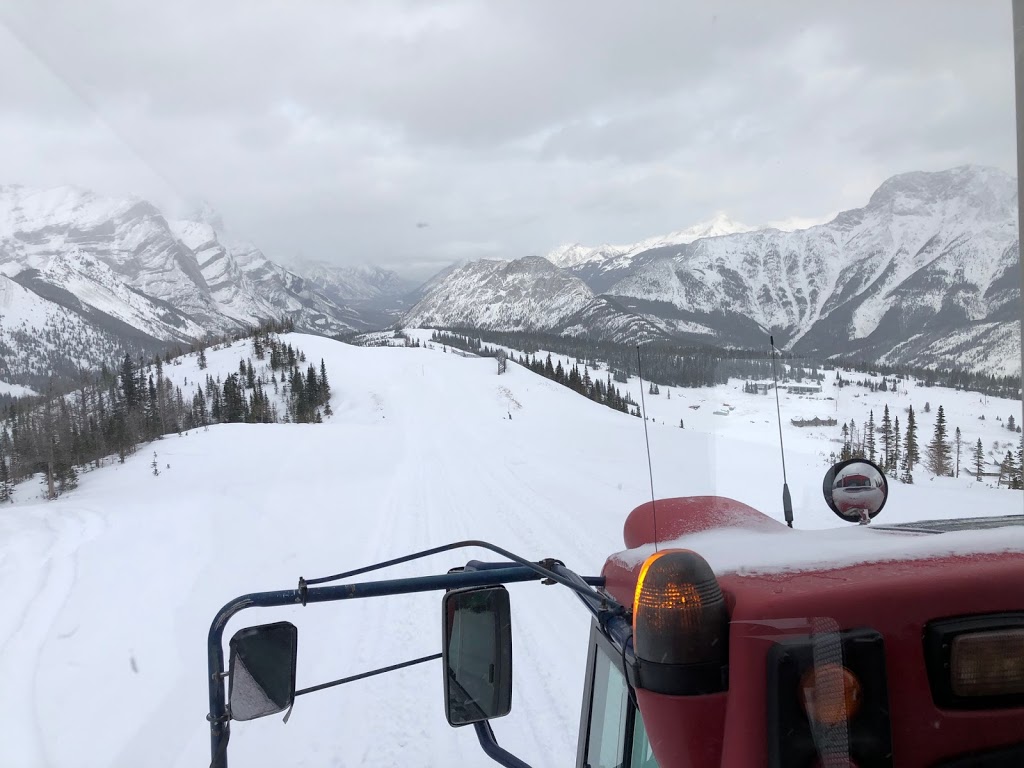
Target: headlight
988, 663
976, 662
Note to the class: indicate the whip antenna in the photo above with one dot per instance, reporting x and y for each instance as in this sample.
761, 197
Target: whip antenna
650, 471
787, 502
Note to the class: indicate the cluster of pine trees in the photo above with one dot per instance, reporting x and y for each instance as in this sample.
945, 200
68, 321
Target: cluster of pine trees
664, 362
885, 385
604, 392
112, 413
378, 339
675, 364
898, 453
953, 378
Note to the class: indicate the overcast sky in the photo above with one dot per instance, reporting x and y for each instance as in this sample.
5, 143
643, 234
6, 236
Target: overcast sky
412, 133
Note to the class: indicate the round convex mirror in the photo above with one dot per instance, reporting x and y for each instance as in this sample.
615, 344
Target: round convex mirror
856, 490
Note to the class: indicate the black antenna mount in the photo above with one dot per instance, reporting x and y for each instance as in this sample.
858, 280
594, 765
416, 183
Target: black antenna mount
650, 471
787, 502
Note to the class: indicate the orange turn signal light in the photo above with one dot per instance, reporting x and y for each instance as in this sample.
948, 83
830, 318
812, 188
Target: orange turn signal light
830, 694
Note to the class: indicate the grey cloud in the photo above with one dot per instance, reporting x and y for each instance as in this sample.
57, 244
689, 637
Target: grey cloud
331, 129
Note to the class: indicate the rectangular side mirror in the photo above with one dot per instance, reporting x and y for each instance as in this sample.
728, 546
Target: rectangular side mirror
262, 670
477, 654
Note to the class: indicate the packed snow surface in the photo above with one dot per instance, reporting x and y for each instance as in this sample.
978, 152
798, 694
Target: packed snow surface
109, 591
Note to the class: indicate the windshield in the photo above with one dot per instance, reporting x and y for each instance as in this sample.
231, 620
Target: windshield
287, 289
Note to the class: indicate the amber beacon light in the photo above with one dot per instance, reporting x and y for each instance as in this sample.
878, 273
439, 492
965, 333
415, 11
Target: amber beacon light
680, 625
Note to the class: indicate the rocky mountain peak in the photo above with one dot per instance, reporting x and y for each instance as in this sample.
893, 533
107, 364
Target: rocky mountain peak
987, 193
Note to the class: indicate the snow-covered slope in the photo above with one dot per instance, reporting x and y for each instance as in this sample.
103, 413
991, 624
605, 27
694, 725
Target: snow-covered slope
249, 287
140, 281
931, 254
525, 294
41, 338
130, 237
110, 590
92, 289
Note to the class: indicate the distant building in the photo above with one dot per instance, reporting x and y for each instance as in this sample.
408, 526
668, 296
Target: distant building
803, 389
815, 422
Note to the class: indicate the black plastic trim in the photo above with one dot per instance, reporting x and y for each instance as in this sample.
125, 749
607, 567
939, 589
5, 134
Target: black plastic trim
681, 679
1009, 757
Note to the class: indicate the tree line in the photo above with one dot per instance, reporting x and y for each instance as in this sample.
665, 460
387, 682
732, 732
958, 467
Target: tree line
663, 362
951, 377
604, 392
111, 413
688, 365
898, 452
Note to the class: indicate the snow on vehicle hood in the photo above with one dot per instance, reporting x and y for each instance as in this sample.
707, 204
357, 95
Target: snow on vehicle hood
748, 552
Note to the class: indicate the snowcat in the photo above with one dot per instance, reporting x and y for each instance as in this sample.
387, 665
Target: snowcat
906, 649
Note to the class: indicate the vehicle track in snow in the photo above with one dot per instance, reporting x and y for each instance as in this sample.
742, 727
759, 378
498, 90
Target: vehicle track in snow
39, 603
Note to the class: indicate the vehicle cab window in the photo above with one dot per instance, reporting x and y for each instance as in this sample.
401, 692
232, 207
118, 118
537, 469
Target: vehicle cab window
613, 730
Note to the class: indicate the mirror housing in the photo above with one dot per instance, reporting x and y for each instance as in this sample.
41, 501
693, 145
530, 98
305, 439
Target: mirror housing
856, 490
262, 670
476, 654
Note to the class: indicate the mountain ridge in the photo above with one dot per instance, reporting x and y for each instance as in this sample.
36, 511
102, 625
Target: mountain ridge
929, 259
137, 279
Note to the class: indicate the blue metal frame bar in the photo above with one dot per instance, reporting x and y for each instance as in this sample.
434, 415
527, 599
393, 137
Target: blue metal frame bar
484, 574
537, 567
490, 746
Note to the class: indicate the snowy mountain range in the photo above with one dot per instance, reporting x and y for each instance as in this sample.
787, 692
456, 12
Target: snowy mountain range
83, 276
927, 272
591, 263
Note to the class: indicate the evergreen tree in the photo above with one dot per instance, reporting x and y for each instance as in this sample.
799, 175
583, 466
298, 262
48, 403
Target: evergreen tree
5, 480
325, 388
887, 439
312, 389
938, 448
1019, 485
869, 436
847, 452
979, 460
910, 451
957, 441
129, 386
1007, 469
894, 465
